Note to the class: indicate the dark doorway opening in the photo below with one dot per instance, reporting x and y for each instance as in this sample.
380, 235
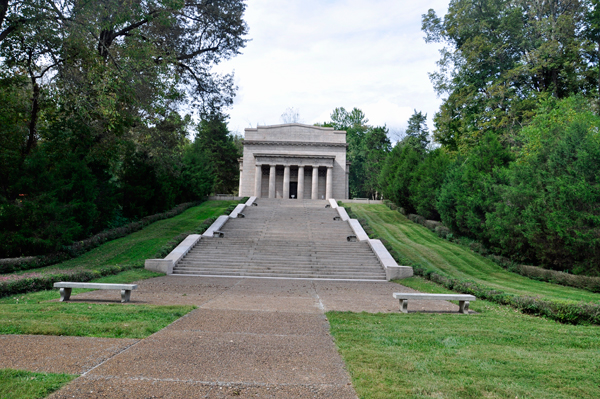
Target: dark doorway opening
294, 189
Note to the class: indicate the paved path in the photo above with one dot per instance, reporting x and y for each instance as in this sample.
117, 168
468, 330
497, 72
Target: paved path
249, 338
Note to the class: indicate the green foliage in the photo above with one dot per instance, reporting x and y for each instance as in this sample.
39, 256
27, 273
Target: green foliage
551, 203
90, 136
21, 384
368, 147
217, 145
426, 181
468, 193
417, 131
501, 57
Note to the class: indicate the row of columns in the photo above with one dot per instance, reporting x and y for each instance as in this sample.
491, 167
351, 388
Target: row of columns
286, 182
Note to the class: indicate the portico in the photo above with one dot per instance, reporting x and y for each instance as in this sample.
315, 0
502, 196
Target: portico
294, 161
293, 176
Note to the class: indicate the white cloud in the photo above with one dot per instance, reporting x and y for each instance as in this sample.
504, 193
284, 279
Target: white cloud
318, 55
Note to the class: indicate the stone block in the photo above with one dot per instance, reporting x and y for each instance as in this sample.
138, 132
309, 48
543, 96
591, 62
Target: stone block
220, 222
358, 230
237, 211
398, 272
343, 214
159, 265
182, 249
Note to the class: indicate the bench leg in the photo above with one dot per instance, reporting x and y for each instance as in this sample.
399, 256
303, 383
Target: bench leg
463, 307
65, 294
404, 305
125, 295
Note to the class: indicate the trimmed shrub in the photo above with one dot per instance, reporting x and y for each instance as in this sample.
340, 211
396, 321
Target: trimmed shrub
46, 282
416, 218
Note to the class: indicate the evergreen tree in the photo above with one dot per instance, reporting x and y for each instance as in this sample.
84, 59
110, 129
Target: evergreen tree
218, 144
417, 131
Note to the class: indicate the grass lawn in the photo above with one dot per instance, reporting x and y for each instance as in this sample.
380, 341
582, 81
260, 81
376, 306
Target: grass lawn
31, 314
28, 385
497, 353
88, 320
419, 245
144, 244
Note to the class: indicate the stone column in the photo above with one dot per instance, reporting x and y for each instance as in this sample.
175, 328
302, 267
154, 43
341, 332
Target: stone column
300, 182
315, 183
329, 184
286, 182
240, 185
347, 180
272, 182
257, 181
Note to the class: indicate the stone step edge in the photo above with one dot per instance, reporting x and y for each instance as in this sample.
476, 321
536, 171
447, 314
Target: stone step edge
281, 278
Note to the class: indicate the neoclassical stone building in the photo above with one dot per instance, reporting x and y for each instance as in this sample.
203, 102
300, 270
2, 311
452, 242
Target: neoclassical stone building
294, 161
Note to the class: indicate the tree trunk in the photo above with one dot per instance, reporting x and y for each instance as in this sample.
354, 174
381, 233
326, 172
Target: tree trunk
35, 107
3, 10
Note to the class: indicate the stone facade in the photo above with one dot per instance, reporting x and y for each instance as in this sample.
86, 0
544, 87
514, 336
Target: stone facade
294, 161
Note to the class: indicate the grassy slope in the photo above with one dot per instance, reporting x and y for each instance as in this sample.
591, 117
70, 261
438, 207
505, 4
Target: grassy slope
28, 385
420, 245
497, 353
27, 314
143, 244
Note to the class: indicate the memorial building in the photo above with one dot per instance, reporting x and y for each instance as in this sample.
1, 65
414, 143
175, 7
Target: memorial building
294, 161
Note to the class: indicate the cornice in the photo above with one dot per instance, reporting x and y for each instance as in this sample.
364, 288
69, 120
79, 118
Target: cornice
291, 143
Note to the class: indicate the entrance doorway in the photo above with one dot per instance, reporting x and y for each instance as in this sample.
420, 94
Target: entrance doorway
294, 189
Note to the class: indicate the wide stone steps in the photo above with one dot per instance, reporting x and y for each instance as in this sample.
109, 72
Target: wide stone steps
284, 239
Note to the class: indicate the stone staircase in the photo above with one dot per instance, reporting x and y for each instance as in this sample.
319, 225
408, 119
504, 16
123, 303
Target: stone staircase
284, 239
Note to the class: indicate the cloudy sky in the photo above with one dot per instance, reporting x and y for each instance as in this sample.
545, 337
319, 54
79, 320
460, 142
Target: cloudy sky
318, 55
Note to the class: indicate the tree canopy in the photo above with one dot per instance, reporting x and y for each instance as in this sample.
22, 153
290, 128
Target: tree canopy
91, 128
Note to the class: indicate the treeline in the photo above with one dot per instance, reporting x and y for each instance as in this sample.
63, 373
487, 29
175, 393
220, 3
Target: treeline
536, 203
515, 157
91, 133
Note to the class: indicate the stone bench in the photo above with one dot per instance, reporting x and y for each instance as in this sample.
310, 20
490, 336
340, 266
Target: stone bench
463, 299
66, 287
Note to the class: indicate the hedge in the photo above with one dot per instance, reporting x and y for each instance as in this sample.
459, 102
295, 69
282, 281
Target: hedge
46, 282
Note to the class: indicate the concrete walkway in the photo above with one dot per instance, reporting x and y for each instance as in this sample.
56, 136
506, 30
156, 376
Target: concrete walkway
249, 338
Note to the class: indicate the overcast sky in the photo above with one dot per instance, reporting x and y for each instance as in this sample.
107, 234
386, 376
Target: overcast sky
319, 55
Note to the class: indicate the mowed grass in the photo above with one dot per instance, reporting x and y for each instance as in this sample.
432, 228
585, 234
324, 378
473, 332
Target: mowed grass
32, 314
28, 385
420, 245
496, 353
144, 244
88, 320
